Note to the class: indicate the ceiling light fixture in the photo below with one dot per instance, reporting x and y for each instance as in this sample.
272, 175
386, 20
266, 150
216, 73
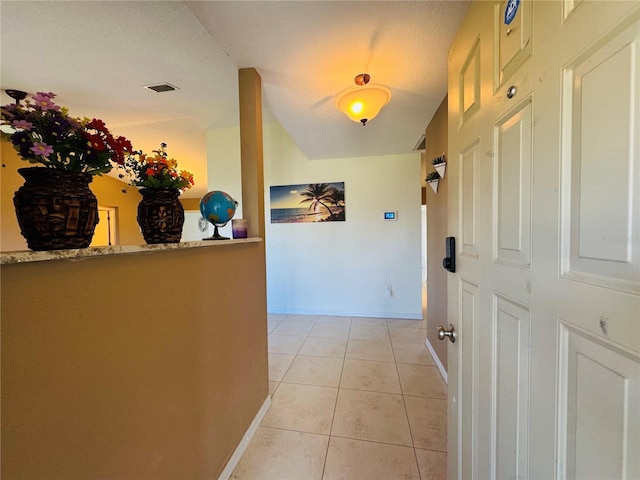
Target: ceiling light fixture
17, 95
362, 102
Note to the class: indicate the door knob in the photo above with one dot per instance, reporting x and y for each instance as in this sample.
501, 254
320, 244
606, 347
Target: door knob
450, 332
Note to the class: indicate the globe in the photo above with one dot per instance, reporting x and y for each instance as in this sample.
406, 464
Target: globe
218, 208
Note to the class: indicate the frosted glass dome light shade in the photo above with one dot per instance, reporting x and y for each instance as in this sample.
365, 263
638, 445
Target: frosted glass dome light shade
361, 103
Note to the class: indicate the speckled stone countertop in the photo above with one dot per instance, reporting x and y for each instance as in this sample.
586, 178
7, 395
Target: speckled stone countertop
27, 256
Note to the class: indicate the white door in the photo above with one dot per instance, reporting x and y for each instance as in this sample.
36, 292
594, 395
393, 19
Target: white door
544, 202
105, 233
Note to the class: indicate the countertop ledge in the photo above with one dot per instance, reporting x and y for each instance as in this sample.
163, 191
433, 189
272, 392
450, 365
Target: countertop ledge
27, 256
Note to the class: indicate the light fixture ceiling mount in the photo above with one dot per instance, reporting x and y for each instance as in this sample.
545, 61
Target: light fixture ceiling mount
362, 79
363, 101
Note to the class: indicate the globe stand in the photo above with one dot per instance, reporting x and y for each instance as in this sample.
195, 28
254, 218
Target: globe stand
216, 235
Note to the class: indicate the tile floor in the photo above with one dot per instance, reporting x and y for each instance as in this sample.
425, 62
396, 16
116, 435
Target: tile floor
352, 398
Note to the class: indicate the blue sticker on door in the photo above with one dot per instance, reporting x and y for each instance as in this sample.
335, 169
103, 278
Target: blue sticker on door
510, 11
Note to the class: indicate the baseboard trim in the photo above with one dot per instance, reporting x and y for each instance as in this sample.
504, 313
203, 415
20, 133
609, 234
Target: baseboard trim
342, 313
436, 359
242, 446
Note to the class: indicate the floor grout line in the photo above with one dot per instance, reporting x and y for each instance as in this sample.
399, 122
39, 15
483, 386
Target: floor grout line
394, 348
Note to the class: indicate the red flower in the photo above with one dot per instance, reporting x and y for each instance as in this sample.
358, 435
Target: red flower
119, 146
124, 144
98, 124
96, 142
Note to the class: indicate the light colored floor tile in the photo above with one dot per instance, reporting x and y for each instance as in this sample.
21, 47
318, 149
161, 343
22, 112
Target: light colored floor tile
275, 317
321, 371
379, 417
408, 335
376, 322
293, 328
278, 365
428, 421
376, 350
421, 380
330, 330
368, 332
401, 322
304, 408
273, 386
433, 465
302, 318
415, 353
275, 454
349, 459
332, 319
372, 376
285, 343
324, 347
271, 326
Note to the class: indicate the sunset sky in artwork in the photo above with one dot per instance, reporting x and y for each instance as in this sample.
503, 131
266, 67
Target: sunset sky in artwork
288, 196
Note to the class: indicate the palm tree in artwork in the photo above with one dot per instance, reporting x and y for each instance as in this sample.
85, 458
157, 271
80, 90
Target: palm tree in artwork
317, 194
336, 197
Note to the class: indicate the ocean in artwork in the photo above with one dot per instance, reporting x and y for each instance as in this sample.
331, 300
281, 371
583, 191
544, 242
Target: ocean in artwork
294, 215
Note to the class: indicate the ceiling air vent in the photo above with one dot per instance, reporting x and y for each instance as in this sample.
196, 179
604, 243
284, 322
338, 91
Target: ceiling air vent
161, 87
421, 145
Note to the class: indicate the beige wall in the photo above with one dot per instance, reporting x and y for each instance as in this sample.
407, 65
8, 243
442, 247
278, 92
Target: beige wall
108, 191
10, 181
134, 366
190, 203
437, 138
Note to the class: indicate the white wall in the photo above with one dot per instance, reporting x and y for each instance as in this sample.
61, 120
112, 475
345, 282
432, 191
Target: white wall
334, 268
223, 167
341, 268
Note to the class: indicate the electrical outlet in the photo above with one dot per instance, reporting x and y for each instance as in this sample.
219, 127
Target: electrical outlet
388, 290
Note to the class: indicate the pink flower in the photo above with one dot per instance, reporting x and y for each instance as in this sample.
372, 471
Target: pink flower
43, 101
42, 149
25, 125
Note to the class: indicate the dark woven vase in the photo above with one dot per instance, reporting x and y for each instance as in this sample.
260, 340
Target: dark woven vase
56, 210
160, 215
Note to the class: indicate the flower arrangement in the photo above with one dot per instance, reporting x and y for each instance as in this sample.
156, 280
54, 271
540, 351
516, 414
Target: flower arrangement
157, 171
44, 133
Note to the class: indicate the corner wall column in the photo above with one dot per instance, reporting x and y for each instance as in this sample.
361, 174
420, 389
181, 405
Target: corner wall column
251, 160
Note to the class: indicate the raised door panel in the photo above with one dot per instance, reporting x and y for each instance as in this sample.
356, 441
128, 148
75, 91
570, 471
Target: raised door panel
568, 6
510, 408
599, 431
513, 43
469, 351
469, 84
513, 181
601, 168
469, 160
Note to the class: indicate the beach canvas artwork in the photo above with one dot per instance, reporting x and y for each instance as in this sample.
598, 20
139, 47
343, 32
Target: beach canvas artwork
310, 202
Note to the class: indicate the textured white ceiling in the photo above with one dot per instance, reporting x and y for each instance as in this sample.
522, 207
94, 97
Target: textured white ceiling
97, 55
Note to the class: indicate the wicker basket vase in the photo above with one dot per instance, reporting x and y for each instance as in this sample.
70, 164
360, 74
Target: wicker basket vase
56, 210
160, 215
